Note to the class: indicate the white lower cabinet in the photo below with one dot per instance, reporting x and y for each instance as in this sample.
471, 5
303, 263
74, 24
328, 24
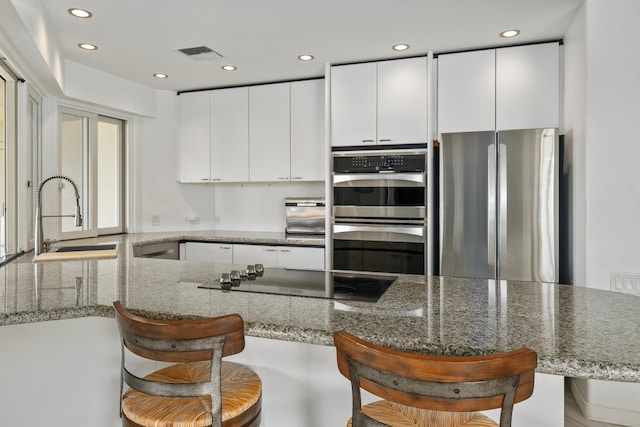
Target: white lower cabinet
301, 257
255, 254
209, 252
298, 257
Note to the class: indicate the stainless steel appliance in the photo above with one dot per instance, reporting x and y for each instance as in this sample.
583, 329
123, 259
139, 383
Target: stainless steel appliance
500, 205
379, 211
305, 216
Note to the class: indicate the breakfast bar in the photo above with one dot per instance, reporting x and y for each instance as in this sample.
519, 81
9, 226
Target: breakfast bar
577, 332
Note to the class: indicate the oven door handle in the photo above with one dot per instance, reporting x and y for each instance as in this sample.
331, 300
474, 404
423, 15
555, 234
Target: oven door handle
385, 233
379, 179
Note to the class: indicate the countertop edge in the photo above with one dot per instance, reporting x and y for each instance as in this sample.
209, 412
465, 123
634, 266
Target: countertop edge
575, 368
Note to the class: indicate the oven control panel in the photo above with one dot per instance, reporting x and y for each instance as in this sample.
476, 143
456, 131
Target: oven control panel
372, 163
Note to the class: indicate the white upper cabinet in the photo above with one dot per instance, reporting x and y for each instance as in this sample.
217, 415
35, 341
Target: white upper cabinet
466, 91
528, 87
353, 104
269, 132
194, 137
499, 89
266, 133
307, 130
379, 103
230, 135
402, 101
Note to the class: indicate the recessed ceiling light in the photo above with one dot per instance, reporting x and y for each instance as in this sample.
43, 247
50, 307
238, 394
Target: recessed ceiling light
80, 13
509, 33
88, 46
229, 68
401, 47
160, 76
305, 57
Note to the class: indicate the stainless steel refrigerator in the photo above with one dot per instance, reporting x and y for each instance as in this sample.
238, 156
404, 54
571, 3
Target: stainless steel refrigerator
499, 205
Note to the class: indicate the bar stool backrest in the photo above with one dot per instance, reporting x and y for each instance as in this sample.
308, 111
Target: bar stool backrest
453, 384
179, 341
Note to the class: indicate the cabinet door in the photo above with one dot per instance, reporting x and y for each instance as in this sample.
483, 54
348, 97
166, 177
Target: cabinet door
194, 136
307, 130
353, 104
209, 252
255, 254
466, 91
528, 87
302, 258
230, 135
402, 101
269, 133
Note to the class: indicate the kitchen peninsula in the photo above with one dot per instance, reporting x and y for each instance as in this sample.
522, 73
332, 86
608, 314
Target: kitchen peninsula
577, 332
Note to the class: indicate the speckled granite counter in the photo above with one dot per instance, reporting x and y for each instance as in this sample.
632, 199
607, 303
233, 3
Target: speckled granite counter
577, 332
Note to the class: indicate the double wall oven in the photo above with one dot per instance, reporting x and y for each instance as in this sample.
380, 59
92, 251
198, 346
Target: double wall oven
379, 211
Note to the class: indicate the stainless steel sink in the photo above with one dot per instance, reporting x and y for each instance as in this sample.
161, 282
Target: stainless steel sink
79, 252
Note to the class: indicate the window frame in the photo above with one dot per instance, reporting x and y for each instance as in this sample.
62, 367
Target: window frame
89, 192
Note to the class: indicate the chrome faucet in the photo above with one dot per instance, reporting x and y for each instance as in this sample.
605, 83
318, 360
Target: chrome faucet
39, 244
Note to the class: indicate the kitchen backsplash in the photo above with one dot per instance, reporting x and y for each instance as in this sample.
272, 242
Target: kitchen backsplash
258, 206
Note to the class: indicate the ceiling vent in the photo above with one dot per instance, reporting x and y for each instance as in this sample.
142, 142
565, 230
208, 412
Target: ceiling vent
200, 53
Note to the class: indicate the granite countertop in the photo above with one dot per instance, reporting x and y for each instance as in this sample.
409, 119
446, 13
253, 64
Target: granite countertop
577, 332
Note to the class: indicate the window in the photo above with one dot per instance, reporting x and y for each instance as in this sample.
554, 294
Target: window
110, 173
3, 84
92, 155
7, 162
31, 163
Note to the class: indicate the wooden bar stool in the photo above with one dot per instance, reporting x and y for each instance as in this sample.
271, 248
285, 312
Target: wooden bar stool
199, 389
432, 390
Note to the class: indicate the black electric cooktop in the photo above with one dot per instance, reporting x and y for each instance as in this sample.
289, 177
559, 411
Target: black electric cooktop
312, 283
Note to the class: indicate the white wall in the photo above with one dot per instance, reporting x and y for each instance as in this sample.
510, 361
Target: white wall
106, 90
258, 206
154, 175
601, 117
612, 155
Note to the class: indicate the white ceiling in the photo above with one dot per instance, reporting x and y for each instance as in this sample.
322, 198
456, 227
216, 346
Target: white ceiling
263, 38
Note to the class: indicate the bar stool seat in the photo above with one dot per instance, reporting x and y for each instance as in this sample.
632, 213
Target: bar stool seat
397, 415
241, 390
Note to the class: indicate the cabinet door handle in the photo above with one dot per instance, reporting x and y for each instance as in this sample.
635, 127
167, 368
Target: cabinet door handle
296, 177
225, 247
367, 140
385, 140
204, 179
283, 178
269, 250
285, 250
216, 179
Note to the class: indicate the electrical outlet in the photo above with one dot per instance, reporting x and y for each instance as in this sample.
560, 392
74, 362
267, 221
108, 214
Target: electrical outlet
629, 283
192, 219
155, 219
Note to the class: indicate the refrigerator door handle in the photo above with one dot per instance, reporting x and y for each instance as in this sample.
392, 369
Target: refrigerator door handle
491, 206
502, 203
